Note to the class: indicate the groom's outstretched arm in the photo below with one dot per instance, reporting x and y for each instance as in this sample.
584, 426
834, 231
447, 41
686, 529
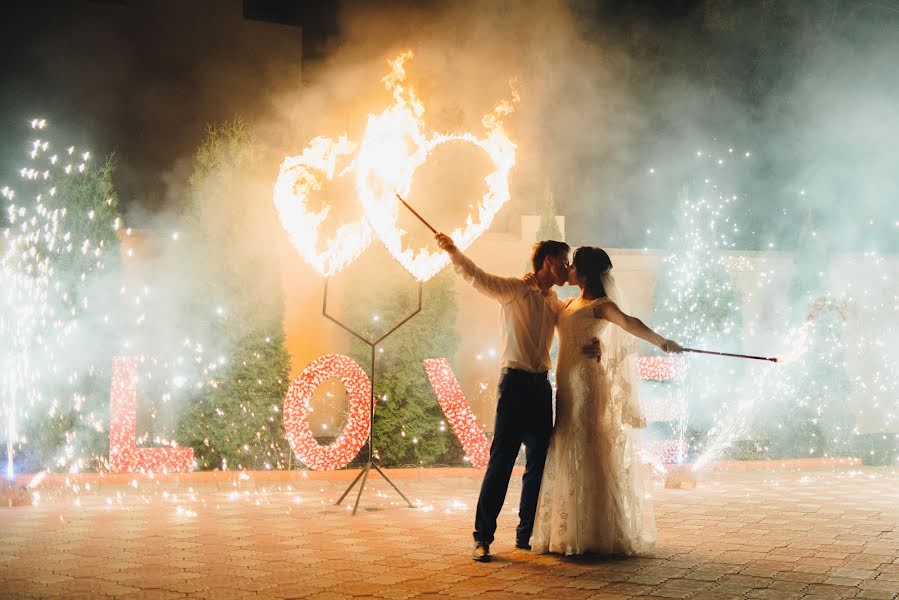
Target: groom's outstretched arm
504, 289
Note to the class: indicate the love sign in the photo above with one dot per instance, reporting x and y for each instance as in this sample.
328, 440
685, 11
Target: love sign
126, 456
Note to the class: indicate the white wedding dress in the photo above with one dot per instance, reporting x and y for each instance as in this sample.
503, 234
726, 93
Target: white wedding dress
594, 495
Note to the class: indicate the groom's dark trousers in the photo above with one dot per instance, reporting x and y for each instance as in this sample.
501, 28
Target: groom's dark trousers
523, 416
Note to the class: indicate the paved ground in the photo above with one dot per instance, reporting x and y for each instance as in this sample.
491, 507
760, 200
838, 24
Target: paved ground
760, 534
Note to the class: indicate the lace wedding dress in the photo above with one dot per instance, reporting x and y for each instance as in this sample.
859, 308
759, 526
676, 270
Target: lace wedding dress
594, 497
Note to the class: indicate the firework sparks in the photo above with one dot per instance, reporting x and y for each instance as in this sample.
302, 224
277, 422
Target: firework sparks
62, 230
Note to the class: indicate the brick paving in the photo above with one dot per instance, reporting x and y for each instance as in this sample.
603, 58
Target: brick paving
824, 534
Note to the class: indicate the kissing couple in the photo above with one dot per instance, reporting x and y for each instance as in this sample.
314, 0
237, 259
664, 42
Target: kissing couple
583, 487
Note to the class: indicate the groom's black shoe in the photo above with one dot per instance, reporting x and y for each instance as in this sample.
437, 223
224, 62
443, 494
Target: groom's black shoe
522, 545
481, 552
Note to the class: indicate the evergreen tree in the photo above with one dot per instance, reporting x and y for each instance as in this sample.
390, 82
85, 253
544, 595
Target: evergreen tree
90, 279
409, 426
696, 301
62, 274
697, 304
237, 423
549, 227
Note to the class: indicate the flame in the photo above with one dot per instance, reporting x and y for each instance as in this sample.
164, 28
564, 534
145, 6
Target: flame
299, 177
394, 145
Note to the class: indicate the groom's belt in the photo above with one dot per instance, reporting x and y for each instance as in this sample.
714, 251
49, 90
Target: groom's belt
522, 373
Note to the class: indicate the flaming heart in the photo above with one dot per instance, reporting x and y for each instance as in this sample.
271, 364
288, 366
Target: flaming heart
302, 175
393, 147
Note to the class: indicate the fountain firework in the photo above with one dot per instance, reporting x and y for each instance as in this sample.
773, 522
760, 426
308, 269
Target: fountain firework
807, 404
68, 310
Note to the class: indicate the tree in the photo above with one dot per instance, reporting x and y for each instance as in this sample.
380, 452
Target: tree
236, 423
62, 274
409, 427
697, 304
90, 279
696, 300
549, 227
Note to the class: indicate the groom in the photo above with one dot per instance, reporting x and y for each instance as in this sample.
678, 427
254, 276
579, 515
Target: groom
528, 315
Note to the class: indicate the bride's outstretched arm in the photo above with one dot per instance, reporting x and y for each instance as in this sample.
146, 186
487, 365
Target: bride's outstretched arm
634, 326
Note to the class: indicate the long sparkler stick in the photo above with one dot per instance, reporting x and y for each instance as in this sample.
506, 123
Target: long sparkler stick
771, 358
412, 210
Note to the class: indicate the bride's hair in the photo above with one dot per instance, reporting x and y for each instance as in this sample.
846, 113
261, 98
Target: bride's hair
591, 264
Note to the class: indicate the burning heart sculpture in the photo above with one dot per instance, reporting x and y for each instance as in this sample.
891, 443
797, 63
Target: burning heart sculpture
299, 177
393, 147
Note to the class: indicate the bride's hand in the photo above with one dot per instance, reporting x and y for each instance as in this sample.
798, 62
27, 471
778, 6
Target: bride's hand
593, 349
669, 346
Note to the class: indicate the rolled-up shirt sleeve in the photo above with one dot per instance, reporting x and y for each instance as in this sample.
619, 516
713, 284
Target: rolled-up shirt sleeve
503, 289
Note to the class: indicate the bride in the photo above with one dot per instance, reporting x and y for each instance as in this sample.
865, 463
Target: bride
593, 496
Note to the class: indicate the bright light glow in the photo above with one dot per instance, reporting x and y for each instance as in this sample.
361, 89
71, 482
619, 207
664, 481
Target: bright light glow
394, 145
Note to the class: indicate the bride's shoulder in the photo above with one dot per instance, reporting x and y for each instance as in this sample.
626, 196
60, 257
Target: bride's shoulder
600, 305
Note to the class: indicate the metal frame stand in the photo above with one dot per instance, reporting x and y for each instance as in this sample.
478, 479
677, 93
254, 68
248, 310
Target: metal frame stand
370, 464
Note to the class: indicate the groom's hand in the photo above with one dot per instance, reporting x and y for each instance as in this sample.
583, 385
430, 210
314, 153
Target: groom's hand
592, 349
445, 242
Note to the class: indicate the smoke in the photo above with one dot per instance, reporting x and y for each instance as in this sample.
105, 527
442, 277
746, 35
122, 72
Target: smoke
616, 101
785, 108
608, 92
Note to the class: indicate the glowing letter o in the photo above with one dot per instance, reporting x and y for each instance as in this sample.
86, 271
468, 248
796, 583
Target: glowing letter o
358, 424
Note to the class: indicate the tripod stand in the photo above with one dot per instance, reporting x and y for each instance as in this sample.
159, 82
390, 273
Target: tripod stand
369, 465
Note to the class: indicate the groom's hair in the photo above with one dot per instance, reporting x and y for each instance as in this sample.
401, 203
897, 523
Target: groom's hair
548, 248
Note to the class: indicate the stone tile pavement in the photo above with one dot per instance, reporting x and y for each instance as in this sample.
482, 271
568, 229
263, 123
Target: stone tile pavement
825, 534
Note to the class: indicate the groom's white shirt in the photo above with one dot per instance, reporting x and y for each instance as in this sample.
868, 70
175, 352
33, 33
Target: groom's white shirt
527, 317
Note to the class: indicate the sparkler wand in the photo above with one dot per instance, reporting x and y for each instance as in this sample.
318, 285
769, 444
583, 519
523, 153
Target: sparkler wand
412, 210
771, 358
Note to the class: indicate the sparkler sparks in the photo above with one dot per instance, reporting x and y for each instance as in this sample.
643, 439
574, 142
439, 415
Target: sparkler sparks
44, 313
808, 405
